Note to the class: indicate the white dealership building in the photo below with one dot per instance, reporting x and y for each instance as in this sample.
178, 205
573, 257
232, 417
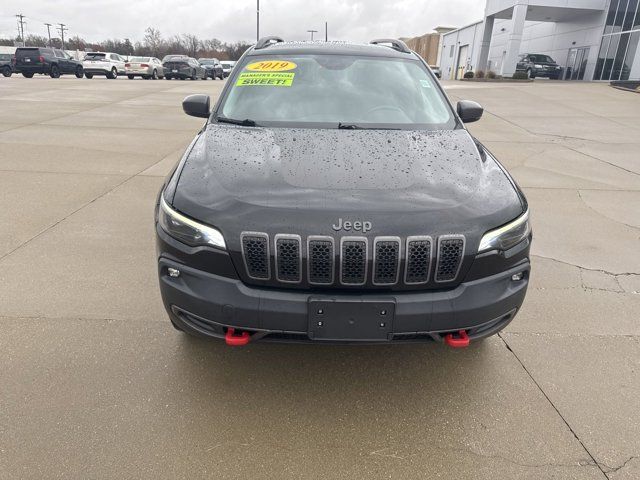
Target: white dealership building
591, 39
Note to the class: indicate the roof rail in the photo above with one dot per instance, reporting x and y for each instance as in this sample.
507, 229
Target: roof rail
398, 45
264, 42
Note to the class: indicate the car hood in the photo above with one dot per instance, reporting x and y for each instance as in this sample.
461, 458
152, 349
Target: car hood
302, 181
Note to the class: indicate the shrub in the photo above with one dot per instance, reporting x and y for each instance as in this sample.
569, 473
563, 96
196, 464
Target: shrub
491, 74
480, 74
468, 74
520, 76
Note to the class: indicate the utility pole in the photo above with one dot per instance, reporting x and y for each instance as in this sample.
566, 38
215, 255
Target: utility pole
62, 29
257, 20
49, 32
312, 32
21, 23
326, 31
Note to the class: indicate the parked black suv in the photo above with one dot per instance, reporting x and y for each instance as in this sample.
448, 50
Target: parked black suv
48, 61
213, 67
334, 195
538, 65
5, 64
182, 67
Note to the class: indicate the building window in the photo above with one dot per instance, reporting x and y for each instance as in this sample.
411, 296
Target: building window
619, 46
451, 51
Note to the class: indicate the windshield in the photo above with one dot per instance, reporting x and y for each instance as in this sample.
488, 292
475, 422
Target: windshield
226, 64
541, 58
336, 91
207, 62
139, 59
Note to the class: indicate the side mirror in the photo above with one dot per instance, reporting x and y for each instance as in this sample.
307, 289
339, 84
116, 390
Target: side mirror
469, 111
197, 105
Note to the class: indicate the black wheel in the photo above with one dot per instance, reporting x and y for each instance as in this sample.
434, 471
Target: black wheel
88, 75
154, 75
6, 71
182, 78
27, 75
113, 74
79, 71
530, 74
193, 75
131, 77
55, 72
167, 77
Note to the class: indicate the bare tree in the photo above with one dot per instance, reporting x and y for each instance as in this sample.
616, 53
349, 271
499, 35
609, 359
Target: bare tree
153, 40
191, 43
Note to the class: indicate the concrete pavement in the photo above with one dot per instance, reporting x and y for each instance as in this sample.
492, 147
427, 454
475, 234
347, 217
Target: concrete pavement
96, 384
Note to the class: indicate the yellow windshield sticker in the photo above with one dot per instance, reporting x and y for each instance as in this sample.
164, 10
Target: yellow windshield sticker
271, 66
270, 79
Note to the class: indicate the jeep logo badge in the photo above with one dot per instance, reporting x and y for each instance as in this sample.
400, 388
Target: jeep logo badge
348, 226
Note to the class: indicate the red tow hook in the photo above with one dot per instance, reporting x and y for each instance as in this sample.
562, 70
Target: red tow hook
459, 341
234, 340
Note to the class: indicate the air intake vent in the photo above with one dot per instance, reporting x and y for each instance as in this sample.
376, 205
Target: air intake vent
255, 251
450, 252
320, 256
419, 253
386, 260
288, 258
353, 270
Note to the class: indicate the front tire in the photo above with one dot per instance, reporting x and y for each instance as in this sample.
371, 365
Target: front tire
6, 71
154, 75
89, 75
55, 72
530, 73
27, 75
130, 77
113, 74
193, 75
167, 77
79, 72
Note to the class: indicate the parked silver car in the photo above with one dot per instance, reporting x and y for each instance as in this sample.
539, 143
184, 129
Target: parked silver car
145, 67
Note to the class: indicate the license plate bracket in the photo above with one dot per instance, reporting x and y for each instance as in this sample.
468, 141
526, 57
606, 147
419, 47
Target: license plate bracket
350, 320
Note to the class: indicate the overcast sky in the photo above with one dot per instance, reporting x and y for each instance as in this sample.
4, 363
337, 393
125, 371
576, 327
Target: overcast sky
234, 20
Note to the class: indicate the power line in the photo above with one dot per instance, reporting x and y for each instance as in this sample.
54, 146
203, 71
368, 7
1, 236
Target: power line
21, 23
312, 32
49, 32
62, 28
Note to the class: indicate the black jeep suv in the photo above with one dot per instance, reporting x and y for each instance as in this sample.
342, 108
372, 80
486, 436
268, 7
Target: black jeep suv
5, 64
48, 61
538, 65
334, 195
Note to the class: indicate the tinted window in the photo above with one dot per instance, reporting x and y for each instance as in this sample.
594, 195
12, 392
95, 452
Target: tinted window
332, 89
94, 56
541, 58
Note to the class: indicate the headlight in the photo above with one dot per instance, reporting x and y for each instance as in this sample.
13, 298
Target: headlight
538, 66
507, 236
186, 230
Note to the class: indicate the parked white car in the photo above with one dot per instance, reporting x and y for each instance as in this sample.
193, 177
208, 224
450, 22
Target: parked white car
145, 67
103, 63
227, 66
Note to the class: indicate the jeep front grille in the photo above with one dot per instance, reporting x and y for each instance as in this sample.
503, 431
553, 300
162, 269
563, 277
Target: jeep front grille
386, 260
419, 253
450, 252
353, 265
288, 258
255, 251
320, 262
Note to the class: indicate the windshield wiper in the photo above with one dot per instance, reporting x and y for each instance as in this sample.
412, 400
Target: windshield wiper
247, 122
355, 126
349, 126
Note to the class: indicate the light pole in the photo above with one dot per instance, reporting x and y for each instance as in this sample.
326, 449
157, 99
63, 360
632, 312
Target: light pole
257, 20
312, 32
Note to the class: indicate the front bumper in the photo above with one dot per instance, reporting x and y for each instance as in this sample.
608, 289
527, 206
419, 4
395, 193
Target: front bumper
208, 304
